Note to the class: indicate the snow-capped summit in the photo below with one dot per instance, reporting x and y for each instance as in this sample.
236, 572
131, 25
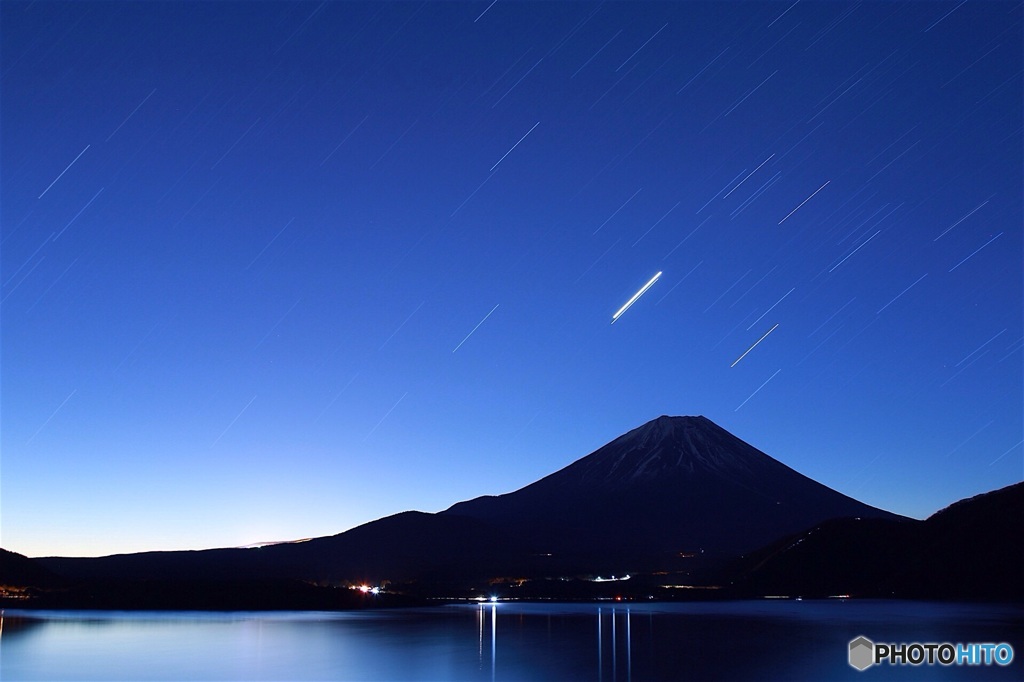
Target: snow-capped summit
674, 484
673, 495
672, 446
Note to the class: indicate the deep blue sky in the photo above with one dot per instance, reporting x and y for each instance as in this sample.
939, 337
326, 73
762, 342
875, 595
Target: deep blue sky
270, 270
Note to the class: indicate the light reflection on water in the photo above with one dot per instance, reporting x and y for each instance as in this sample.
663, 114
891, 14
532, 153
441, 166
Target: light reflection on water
607, 642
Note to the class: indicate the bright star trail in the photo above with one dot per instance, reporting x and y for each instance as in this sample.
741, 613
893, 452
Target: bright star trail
969, 214
52, 415
515, 145
616, 211
765, 336
81, 211
674, 206
386, 415
637, 295
771, 308
130, 115
232, 423
975, 252
859, 247
64, 171
322, 203
804, 202
747, 177
895, 298
475, 328
756, 390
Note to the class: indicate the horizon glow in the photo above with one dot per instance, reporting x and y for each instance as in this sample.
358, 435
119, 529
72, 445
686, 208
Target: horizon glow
248, 250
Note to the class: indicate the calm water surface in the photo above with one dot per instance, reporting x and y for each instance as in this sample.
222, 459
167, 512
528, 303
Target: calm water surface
801, 640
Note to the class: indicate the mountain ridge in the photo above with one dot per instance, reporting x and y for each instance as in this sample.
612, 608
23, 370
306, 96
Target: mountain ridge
675, 496
680, 472
671, 486
970, 549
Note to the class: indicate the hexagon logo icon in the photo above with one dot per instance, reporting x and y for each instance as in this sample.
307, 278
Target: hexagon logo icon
862, 653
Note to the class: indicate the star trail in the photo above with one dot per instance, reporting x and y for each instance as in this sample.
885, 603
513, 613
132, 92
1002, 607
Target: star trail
252, 254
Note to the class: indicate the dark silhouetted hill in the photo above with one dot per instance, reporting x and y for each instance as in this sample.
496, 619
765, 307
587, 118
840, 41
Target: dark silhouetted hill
18, 570
397, 548
973, 549
674, 485
678, 500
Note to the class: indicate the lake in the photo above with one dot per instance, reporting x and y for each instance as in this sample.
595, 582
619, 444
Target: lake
610, 641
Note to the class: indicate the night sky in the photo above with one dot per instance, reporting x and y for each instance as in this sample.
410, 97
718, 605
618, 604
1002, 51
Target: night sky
272, 270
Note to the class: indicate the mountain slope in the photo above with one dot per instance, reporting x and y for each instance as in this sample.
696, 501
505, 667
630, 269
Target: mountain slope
674, 485
399, 547
973, 549
647, 501
18, 570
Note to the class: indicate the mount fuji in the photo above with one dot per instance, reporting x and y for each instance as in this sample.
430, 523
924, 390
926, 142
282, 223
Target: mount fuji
675, 485
677, 494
